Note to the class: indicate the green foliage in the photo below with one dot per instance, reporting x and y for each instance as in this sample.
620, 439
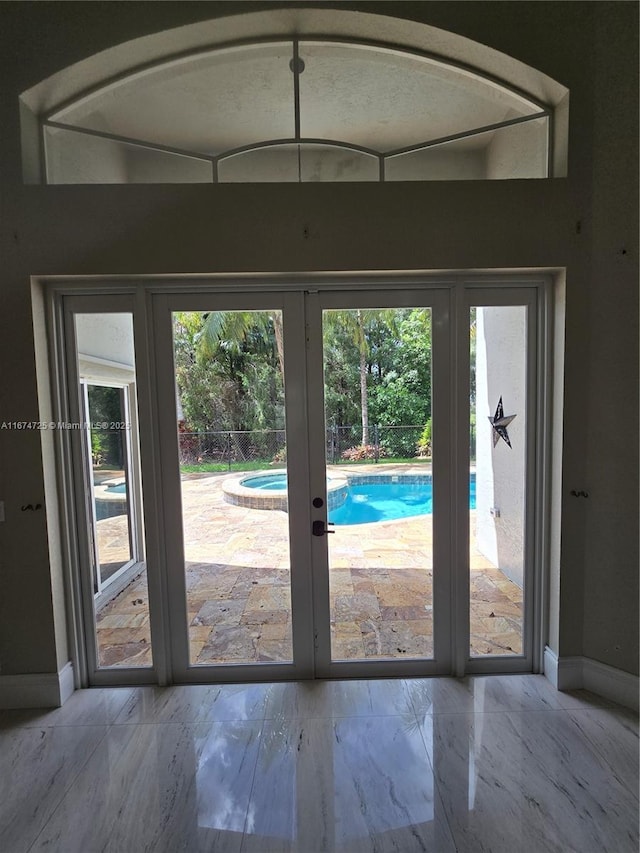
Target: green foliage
280, 455
377, 369
97, 448
221, 467
228, 371
105, 406
424, 443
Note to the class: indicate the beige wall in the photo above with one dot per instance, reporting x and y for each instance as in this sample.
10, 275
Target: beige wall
67, 230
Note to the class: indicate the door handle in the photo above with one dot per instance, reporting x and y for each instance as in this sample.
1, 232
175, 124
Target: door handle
318, 528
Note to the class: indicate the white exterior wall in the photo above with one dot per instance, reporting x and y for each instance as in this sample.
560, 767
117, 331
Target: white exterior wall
145, 166
500, 470
108, 337
78, 158
443, 163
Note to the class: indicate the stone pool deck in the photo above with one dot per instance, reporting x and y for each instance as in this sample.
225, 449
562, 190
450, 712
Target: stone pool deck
237, 576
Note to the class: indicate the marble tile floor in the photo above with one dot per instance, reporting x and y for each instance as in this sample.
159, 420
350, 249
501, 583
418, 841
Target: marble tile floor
493, 764
238, 596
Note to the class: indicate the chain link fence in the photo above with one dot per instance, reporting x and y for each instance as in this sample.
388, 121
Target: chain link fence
343, 444
232, 446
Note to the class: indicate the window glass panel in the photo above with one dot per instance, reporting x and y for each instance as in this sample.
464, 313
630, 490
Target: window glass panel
377, 370
208, 104
305, 162
384, 99
330, 163
78, 158
498, 354
230, 395
113, 572
518, 151
276, 164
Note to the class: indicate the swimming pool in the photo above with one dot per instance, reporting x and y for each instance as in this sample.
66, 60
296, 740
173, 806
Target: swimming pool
117, 488
268, 482
353, 498
268, 490
381, 500
110, 498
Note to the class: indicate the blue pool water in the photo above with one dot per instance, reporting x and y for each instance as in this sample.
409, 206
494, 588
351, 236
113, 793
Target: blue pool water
370, 501
119, 489
375, 501
268, 482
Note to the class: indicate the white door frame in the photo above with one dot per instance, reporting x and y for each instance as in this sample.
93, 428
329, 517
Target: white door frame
438, 299
72, 446
291, 304
477, 293
149, 303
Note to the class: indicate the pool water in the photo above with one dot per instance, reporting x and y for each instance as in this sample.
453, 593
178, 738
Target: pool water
119, 489
370, 501
268, 482
377, 501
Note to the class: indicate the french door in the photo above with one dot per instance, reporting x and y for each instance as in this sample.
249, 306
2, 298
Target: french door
334, 538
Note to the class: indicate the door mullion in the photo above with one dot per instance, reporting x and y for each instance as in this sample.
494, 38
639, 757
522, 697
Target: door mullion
460, 466
172, 555
297, 427
317, 442
443, 442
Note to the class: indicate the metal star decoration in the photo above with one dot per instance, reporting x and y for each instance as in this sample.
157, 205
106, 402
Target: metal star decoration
500, 423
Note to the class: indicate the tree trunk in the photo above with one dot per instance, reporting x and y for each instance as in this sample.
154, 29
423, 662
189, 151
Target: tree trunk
364, 402
277, 330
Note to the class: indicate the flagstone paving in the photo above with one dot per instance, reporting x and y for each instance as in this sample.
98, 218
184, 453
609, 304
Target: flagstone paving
237, 576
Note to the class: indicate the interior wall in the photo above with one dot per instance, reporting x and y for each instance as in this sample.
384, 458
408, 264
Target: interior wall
581, 223
611, 409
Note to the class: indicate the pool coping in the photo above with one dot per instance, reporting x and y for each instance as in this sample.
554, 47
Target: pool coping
235, 493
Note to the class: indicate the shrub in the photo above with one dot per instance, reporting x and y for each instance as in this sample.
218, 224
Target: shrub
423, 447
280, 456
362, 452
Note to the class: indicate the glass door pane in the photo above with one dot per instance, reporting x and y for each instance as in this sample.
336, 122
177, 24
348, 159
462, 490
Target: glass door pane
113, 571
498, 478
378, 415
230, 405
110, 469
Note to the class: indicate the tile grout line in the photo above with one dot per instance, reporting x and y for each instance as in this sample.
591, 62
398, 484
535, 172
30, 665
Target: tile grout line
255, 770
436, 791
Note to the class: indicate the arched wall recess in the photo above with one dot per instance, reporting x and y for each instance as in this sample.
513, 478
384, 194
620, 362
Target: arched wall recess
329, 104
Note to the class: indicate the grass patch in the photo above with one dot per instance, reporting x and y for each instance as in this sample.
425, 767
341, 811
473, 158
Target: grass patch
216, 467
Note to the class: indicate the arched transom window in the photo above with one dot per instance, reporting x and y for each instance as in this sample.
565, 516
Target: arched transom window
300, 110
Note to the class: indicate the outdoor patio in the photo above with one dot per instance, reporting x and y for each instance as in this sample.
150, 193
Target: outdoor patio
238, 591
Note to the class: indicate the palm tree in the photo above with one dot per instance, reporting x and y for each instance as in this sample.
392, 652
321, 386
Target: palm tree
229, 329
355, 322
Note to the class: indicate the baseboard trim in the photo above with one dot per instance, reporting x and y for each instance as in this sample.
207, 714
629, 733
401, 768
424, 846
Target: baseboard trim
40, 690
575, 673
612, 683
66, 680
550, 666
